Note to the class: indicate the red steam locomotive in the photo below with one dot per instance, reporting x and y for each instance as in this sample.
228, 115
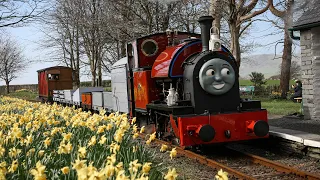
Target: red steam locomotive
181, 85
188, 89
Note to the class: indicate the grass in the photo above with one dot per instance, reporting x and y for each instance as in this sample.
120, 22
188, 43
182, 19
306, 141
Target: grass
28, 95
279, 107
244, 82
276, 107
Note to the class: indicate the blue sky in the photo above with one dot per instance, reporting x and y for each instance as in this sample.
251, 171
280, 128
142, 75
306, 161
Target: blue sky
30, 36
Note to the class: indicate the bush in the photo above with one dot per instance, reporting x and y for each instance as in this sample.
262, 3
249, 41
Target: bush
258, 81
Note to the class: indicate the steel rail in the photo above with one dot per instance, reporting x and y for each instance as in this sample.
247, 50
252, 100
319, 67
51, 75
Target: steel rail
203, 160
279, 167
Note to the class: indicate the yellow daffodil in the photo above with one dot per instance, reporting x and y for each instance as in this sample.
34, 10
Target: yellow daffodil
101, 129
163, 148
134, 166
2, 151
82, 152
41, 153
31, 152
133, 120
65, 148
119, 167
109, 126
93, 141
148, 142
13, 152
66, 136
146, 167
13, 167
152, 136
109, 170
171, 175
135, 128
103, 140
142, 129
29, 140
221, 175
78, 164
173, 153
122, 176
82, 173
135, 135
38, 173
3, 169
47, 142
111, 159
65, 170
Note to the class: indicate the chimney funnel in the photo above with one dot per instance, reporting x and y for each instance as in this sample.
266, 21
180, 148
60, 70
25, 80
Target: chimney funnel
205, 25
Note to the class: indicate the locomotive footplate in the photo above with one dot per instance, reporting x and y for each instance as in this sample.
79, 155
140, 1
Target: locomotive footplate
174, 110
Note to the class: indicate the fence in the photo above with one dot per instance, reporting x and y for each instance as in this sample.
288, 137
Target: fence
12, 88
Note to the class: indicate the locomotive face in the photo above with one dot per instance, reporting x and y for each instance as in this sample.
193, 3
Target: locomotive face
216, 76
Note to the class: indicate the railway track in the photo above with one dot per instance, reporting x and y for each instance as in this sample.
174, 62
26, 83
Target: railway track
245, 165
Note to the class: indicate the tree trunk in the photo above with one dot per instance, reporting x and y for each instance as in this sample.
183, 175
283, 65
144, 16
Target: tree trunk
215, 11
77, 67
7, 84
235, 44
123, 49
287, 53
99, 70
93, 83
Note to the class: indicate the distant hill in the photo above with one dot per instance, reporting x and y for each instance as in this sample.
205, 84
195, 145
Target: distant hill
264, 63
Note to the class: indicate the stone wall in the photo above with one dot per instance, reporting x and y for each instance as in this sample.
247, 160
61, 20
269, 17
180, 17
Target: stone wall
310, 65
12, 88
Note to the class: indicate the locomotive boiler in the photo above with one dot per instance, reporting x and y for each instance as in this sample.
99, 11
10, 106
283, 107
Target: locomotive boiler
187, 89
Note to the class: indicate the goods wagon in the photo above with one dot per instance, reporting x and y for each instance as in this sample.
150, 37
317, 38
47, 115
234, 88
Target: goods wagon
54, 78
86, 100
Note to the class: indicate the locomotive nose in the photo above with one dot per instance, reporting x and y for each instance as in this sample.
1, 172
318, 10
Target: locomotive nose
206, 133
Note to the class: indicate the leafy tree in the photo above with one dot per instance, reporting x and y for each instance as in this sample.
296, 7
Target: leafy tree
257, 79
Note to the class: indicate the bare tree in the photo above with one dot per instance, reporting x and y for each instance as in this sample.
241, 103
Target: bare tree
16, 12
238, 15
62, 32
12, 62
286, 16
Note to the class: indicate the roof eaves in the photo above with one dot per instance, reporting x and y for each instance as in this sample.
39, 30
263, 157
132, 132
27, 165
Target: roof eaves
305, 26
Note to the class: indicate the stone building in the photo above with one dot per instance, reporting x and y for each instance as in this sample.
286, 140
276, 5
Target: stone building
309, 26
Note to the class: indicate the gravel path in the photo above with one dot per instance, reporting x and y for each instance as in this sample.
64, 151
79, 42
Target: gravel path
185, 167
245, 165
191, 169
300, 162
295, 123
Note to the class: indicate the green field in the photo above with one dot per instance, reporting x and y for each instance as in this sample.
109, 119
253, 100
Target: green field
23, 95
269, 82
280, 107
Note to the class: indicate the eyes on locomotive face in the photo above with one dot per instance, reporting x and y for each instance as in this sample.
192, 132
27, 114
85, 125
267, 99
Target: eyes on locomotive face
216, 76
